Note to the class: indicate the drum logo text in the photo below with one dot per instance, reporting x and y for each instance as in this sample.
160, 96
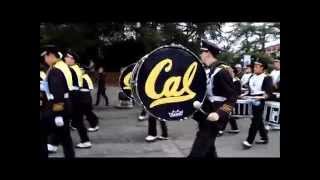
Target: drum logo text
170, 92
126, 81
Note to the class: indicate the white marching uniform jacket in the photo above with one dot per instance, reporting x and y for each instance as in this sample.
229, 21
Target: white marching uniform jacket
260, 85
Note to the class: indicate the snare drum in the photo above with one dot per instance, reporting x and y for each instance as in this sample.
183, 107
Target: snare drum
271, 114
242, 109
167, 81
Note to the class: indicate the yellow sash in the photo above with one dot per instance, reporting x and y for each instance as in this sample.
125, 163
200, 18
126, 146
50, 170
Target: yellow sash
89, 81
64, 68
43, 75
78, 71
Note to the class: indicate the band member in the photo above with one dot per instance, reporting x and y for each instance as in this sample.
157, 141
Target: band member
217, 106
58, 84
247, 74
152, 130
232, 120
86, 100
260, 86
77, 98
102, 87
239, 71
275, 74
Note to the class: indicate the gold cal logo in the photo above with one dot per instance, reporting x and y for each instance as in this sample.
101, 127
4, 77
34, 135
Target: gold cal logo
170, 92
126, 81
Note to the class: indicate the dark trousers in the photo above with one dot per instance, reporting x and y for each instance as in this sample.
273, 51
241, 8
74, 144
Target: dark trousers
102, 92
204, 144
143, 112
86, 101
152, 127
257, 124
77, 116
60, 134
233, 124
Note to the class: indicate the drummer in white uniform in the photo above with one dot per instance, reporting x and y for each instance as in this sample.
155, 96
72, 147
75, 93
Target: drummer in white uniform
260, 89
275, 74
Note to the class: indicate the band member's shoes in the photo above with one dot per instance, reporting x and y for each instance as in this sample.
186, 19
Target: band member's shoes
262, 141
268, 128
84, 145
162, 138
94, 129
52, 148
234, 131
220, 133
246, 144
151, 138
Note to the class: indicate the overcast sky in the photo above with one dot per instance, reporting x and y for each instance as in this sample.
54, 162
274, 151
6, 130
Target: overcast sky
227, 27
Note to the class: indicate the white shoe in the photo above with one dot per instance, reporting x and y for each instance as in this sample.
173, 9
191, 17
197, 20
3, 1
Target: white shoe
141, 118
93, 129
84, 145
268, 127
162, 138
150, 138
52, 148
246, 144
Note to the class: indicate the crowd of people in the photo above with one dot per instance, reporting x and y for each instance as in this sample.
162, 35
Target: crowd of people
65, 99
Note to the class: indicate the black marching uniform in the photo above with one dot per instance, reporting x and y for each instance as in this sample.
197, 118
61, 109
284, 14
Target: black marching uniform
86, 100
259, 85
220, 98
232, 120
77, 96
59, 105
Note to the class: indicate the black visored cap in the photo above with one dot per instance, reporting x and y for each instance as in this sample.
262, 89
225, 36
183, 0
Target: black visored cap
71, 54
214, 49
261, 62
50, 49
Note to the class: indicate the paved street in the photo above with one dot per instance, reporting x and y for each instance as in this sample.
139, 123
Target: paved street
122, 135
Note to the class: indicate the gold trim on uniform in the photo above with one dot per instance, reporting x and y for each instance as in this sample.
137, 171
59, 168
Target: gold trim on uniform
62, 66
78, 71
226, 108
89, 81
58, 107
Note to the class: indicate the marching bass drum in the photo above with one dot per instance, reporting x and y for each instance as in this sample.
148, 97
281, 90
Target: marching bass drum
125, 79
167, 81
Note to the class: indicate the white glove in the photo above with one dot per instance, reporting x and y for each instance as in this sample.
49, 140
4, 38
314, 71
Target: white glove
213, 116
58, 121
42, 87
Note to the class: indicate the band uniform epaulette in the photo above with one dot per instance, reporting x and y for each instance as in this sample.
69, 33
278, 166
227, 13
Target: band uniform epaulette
223, 66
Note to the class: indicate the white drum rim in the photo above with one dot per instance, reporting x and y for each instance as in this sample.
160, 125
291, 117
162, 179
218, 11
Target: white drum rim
244, 101
272, 103
141, 61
